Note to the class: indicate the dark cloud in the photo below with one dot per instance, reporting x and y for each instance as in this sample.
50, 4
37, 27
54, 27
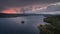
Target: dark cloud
10, 3
25, 2
53, 8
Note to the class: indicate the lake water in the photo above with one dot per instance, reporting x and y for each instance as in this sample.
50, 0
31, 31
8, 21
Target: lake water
14, 25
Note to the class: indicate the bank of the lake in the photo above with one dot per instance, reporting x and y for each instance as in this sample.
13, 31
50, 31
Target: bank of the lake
53, 26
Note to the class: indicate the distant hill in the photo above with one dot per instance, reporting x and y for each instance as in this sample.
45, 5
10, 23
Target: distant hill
3, 15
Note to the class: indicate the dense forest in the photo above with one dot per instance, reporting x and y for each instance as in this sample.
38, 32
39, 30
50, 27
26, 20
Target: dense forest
53, 26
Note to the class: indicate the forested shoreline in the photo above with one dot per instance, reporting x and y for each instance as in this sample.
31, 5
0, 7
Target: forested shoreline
53, 26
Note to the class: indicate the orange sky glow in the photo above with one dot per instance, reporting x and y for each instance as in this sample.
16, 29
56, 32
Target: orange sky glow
17, 10
11, 11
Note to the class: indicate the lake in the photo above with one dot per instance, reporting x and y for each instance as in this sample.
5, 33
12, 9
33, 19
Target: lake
14, 25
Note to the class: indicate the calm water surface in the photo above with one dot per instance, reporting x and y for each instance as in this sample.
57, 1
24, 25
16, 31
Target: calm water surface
14, 25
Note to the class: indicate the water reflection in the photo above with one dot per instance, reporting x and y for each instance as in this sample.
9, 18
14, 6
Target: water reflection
14, 25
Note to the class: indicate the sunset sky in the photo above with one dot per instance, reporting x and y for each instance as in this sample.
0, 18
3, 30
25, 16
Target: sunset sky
16, 5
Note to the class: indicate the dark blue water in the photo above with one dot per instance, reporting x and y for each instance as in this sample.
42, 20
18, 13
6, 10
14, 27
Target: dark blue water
14, 25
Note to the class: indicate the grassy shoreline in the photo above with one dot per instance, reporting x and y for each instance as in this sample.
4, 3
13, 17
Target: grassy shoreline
53, 27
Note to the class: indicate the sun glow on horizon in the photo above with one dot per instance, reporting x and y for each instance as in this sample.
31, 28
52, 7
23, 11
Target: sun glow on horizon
11, 11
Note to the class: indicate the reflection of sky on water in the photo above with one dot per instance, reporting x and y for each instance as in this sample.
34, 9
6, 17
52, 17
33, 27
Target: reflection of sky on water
14, 24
